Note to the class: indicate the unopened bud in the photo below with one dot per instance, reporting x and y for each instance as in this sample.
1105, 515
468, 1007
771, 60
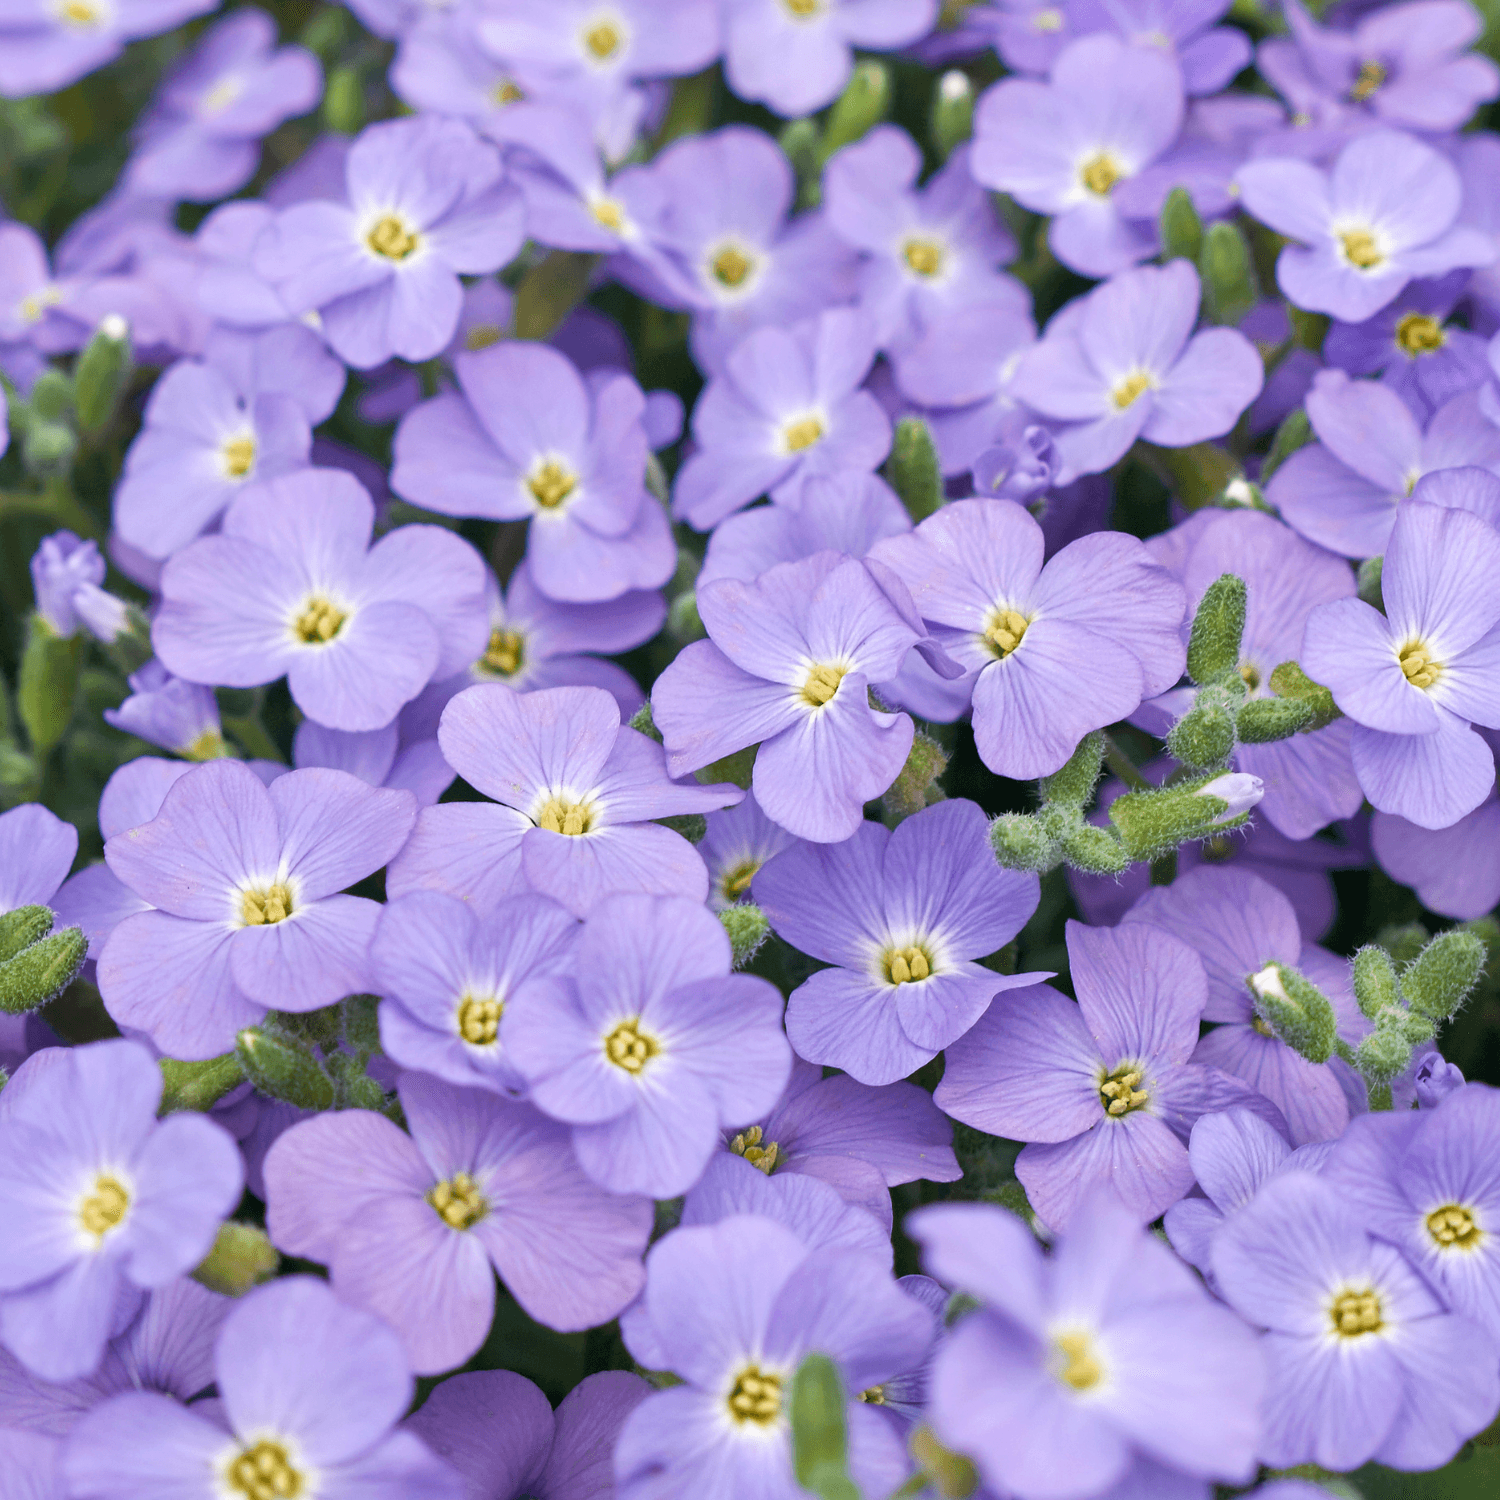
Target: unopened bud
916, 784
1376, 988
864, 102
1367, 585
1021, 843
42, 971
1296, 1010
1435, 1079
1228, 274
101, 373
1238, 789
198, 1085
1383, 1055
1218, 627
913, 471
48, 448
820, 1430
1180, 227
684, 623
952, 1475
1265, 720
747, 928
242, 1257
1074, 784
1204, 736
22, 927
1295, 432
952, 111
1440, 978
1154, 823
282, 1069
1094, 850
642, 722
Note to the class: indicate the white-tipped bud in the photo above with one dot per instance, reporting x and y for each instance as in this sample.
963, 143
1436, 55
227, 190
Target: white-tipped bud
1267, 984
1238, 788
954, 85
113, 326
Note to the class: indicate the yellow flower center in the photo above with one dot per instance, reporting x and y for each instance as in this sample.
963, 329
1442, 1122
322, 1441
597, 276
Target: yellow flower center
1130, 389
609, 213
482, 336
802, 433
875, 1396
1355, 1313
267, 907
756, 1396
737, 881
1005, 630
479, 1020
1120, 1091
925, 257
1453, 1227
1420, 333
731, 266
628, 1047
1371, 75
1074, 1361
506, 91
320, 622
803, 10
748, 1144
458, 1202
263, 1472
391, 238
603, 40
238, 454
80, 13
907, 965
208, 746
505, 652
1100, 173
1251, 674
551, 483
103, 1209
1418, 664
821, 684
558, 815
1047, 20
1360, 249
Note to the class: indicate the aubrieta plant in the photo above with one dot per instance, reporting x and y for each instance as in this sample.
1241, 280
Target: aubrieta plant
748, 749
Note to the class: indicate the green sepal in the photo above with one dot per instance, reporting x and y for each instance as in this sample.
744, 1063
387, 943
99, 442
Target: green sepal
51, 396
642, 722
550, 290
1288, 680
820, 1430
1021, 843
1095, 850
198, 1085
282, 1068
1367, 584
915, 786
22, 927
1296, 1010
100, 376
1228, 274
747, 928
1180, 227
1204, 736
684, 623
48, 686
360, 1022
913, 471
951, 1474
1376, 988
1155, 823
1294, 432
1440, 978
344, 101
692, 826
242, 1257
1383, 1055
1262, 721
1074, 784
736, 768
1217, 630
42, 971
864, 103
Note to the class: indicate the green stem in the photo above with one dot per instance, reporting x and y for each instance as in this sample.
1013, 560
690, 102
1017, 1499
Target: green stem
1123, 767
253, 739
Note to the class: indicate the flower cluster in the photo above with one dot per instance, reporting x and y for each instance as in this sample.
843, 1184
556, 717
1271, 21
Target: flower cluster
750, 749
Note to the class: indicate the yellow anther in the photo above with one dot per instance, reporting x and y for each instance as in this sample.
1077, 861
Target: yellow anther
320, 622
1005, 630
737, 881
925, 257
1047, 20
875, 1396
458, 1201
1075, 1363
1371, 75
238, 454
479, 1020
609, 213
80, 13
1258, 1025
802, 433
551, 483
1360, 249
103, 1209
558, 815
803, 10
1120, 1091
1129, 389
731, 266
748, 1144
267, 907
1251, 675
1100, 173
208, 746
756, 1396
1420, 333
603, 40
391, 238
907, 965
821, 684
264, 1472
506, 91
221, 96
1355, 1313
1418, 665
628, 1047
481, 336
1454, 1227
505, 652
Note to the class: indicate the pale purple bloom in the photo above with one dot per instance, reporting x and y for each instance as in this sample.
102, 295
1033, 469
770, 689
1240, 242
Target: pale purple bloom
1076, 1364
1208, 55
1055, 651
285, 358
525, 437
447, 976
36, 852
738, 842
795, 57
902, 917
242, 879
1416, 678
1455, 871
788, 665
787, 408
733, 1308
1071, 147
577, 791
166, 711
1385, 213
427, 200
44, 47
400, 756
652, 1047
1239, 924
65, 575
98, 1200
200, 137
1364, 1362
482, 1184
1104, 1091
309, 1392
1123, 362
1343, 491
293, 588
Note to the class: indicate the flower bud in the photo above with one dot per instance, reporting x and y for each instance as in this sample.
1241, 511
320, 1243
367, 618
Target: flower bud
864, 103
1074, 784
1229, 287
1264, 720
1435, 1079
1095, 850
820, 1433
1367, 586
952, 111
283, 1069
1218, 627
1204, 736
62, 565
1440, 978
747, 927
915, 785
1020, 470
198, 1085
42, 971
48, 686
1288, 680
1296, 1010
1020, 843
22, 927
1239, 789
1376, 989
912, 469
1383, 1055
101, 373
242, 1257
1181, 228
48, 448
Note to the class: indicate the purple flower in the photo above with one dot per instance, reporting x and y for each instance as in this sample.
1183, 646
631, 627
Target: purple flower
1239, 924
786, 408
447, 977
1455, 871
902, 916
414, 1227
733, 1308
1208, 55
499, 1431
578, 790
99, 1200
738, 842
199, 139
652, 1047
396, 756
926, 251
292, 587
1103, 1091
1416, 678
795, 56
1364, 1362
1124, 363
36, 852
1056, 651
44, 48
65, 574
242, 878
164, 710
427, 201
526, 438
310, 1392
1384, 214
788, 665
861, 1141
1079, 1363
1071, 147
1343, 491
